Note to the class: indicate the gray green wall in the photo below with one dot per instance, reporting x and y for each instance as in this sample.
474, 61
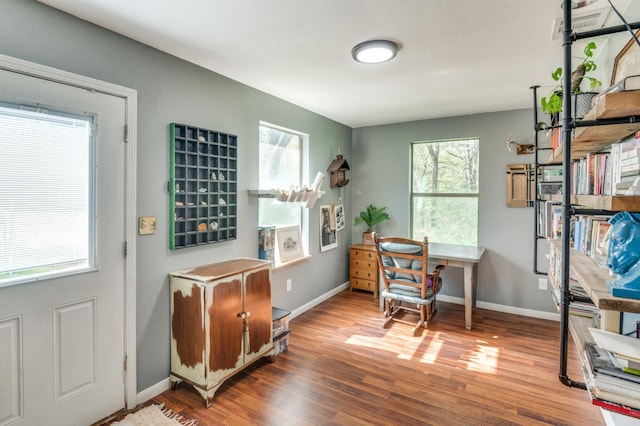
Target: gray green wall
172, 90
381, 159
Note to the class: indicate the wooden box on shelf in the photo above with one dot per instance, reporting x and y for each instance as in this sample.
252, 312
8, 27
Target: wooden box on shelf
363, 269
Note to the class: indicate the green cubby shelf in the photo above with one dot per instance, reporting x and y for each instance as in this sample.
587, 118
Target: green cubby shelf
203, 188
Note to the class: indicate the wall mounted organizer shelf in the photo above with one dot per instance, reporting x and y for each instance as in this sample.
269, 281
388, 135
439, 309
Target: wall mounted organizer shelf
202, 186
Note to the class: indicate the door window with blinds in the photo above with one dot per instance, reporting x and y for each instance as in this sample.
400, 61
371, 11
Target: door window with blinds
46, 194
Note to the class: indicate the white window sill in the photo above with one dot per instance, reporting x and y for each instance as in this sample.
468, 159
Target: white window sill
282, 265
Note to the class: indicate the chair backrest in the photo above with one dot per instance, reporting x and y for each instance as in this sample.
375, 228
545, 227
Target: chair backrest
405, 261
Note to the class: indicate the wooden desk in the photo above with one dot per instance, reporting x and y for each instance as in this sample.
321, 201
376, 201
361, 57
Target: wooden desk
459, 256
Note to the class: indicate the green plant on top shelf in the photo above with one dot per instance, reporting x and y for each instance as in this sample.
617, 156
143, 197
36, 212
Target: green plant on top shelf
552, 103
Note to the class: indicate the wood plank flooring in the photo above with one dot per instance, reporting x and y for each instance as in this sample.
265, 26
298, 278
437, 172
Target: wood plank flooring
342, 368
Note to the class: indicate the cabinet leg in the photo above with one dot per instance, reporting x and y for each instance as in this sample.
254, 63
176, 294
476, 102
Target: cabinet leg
174, 382
208, 395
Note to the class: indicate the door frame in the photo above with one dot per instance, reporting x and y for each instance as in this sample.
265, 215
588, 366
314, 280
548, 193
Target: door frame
130, 97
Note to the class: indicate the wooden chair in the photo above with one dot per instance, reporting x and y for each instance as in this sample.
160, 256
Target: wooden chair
407, 284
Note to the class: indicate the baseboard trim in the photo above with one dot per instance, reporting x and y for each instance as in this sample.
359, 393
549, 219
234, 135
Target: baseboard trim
328, 295
503, 308
165, 384
153, 391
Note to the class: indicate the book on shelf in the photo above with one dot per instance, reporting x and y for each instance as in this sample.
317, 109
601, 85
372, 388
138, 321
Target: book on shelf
613, 406
627, 365
629, 83
607, 374
630, 155
547, 226
600, 241
609, 397
619, 344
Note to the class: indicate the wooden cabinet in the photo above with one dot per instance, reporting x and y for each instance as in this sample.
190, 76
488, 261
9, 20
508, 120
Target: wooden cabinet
363, 269
220, 322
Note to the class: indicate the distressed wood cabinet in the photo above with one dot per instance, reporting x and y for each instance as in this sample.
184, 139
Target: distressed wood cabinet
363, 269
220, 322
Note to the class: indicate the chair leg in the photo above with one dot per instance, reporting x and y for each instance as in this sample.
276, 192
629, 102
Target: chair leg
421, 322
388, 313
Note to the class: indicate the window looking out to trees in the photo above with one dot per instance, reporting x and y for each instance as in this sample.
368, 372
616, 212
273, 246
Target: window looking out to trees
444, 191
282, 164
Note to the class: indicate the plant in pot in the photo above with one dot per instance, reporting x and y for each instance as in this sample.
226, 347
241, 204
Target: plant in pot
552, 103
372, 216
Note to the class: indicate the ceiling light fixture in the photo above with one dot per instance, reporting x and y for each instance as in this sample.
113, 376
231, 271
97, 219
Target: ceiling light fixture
374, 51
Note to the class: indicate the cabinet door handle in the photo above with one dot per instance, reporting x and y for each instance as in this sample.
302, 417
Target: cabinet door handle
247, 314
242, 315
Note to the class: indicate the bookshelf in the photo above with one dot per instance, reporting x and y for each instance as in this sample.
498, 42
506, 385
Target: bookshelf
614, 117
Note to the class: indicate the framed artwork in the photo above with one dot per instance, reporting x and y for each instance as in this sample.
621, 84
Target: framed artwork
289, 243
328, 237
339, 217
627, 62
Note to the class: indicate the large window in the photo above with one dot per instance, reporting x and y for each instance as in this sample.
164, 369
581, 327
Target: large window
444, 191
46, 199
281, 167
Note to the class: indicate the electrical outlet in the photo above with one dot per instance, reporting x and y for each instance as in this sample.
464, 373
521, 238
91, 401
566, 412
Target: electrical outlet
542, 283
289, 284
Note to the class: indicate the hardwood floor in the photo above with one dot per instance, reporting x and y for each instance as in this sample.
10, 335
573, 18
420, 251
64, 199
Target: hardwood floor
342, 368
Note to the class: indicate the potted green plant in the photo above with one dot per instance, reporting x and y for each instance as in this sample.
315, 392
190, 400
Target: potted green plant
552, 103
372, 216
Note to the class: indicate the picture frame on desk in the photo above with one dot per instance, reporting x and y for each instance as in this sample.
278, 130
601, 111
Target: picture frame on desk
289, 242
627, 62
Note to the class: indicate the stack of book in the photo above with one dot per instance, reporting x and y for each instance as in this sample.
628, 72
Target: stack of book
613, 372
627, 165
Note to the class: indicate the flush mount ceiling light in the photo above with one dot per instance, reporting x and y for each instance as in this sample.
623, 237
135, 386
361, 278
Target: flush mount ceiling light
374, 51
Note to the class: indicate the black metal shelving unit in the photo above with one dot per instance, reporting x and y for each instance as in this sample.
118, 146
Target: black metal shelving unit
568, 124
538, 167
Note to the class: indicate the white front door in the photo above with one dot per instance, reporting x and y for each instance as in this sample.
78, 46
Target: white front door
62, 339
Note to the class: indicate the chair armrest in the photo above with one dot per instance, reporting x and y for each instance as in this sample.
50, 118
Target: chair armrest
438, 269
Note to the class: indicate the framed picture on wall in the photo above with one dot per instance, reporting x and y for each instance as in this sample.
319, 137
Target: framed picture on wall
627, 62
289, 243
339, 217
328, 237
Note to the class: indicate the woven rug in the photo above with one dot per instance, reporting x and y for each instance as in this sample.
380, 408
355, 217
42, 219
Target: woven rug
154, 415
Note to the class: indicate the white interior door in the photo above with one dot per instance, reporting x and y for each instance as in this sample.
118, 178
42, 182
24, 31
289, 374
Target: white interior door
62, 339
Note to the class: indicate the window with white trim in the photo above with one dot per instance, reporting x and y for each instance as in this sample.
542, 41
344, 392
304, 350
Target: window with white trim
282, 166
444, 191
46, 193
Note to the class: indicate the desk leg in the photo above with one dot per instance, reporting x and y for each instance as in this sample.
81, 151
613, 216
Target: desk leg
469, 293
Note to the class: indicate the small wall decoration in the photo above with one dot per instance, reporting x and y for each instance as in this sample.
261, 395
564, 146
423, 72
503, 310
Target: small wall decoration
328, 237
147, 225
337, 170
339, 217
289, 243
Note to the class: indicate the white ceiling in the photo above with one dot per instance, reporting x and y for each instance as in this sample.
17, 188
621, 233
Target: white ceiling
457, 57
